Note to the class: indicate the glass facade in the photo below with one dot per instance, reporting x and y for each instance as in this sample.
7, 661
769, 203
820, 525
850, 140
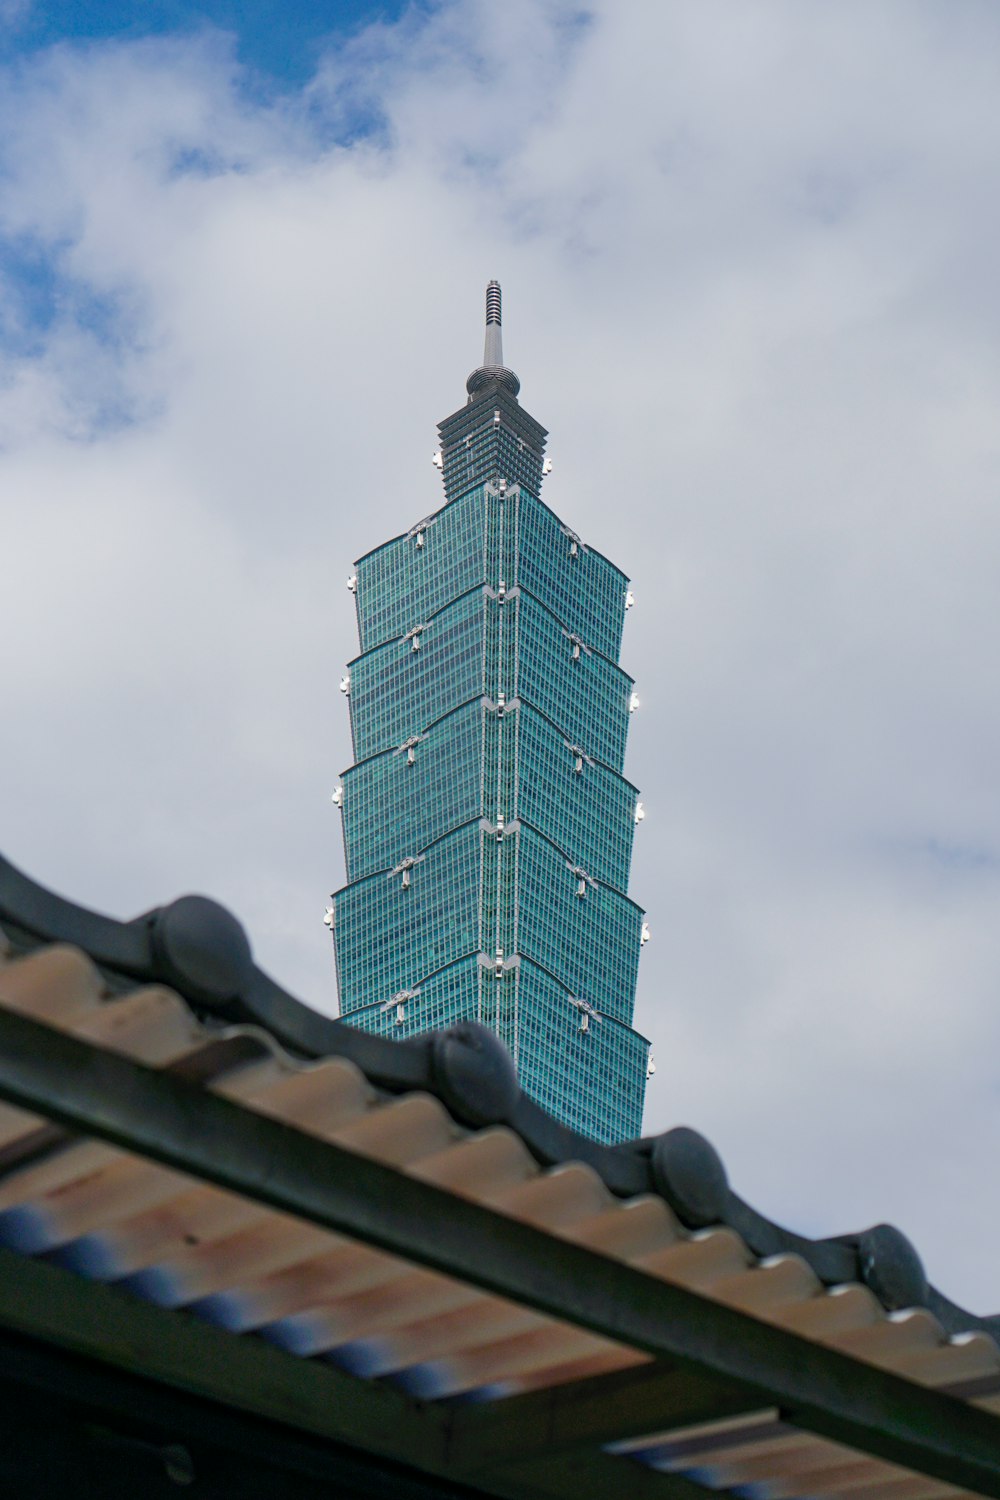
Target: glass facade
487, 824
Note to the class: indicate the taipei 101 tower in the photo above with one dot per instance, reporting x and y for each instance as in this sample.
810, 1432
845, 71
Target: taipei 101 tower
487, 823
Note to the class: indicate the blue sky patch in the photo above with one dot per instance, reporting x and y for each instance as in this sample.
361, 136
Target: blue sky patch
29, 289
282, 42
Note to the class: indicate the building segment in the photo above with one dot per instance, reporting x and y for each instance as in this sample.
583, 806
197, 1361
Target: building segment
487, 821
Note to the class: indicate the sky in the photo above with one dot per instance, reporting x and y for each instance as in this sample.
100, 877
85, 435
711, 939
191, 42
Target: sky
748, 252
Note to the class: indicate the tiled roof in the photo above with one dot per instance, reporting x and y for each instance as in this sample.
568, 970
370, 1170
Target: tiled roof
419, 1238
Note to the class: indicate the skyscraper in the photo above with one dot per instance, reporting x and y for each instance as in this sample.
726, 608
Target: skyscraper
487, 824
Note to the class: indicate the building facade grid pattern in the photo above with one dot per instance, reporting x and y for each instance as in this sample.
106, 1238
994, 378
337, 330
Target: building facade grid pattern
589, 813
394, 806
591, 939
397, 690
409, 579
391, 933
588, 596
586, 694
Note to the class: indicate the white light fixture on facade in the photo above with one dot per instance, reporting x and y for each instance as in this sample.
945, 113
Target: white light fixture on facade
587, 1013
398, 1003
575, 544
418, 532
583, 879
580, 757
409, 746
405, 867
578, 643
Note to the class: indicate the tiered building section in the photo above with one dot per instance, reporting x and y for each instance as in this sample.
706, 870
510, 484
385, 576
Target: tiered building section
487, 824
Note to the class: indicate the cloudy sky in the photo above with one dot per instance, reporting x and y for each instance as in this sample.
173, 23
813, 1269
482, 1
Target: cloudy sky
749, 258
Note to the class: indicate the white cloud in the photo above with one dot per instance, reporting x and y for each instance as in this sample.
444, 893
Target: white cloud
747, 257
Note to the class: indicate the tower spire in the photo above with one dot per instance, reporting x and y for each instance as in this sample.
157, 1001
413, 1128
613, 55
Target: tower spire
493, 350
492, 368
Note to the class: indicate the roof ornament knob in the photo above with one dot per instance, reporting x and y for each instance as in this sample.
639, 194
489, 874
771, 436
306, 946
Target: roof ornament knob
200, 948
474, 1073
891, 1267
688, 1172
493, 368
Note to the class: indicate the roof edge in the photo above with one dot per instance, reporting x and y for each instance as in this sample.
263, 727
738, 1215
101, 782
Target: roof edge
201, 950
